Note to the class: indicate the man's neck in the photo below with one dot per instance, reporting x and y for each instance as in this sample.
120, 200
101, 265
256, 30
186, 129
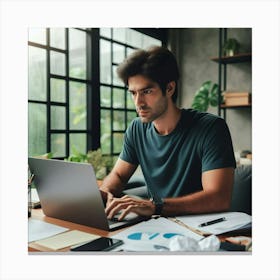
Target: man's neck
167, 123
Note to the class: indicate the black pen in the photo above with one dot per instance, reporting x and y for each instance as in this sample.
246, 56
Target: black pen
212, 222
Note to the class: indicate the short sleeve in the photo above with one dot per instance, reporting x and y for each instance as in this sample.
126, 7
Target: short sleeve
128, 152
217, 147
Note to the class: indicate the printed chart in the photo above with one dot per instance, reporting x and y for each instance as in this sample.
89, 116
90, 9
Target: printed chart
145, 236
153, 234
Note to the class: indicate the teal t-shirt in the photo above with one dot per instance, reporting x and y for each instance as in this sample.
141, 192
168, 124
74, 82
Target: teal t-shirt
172, 164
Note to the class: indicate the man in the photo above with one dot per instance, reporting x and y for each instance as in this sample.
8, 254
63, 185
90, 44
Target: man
186, 156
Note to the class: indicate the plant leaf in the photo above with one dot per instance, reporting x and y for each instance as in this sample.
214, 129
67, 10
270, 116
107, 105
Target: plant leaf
205, 86
213, 96
204, 97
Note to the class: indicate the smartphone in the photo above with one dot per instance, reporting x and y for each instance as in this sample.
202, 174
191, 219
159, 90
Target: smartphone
100, 244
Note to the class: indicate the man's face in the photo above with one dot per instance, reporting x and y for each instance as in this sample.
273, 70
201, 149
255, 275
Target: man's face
148, 98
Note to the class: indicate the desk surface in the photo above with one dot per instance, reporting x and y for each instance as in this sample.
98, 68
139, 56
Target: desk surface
38, 214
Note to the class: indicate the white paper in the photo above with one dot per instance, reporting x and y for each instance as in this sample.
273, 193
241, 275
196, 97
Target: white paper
39, 229
233, 221
34, 196
153, 235
66, 239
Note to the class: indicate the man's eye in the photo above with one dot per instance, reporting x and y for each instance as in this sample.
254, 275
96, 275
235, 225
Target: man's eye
147, 91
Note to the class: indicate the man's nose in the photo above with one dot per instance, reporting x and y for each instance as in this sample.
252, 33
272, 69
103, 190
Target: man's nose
139, 99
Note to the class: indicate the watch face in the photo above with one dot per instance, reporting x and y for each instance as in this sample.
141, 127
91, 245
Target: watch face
157, 200
158, 205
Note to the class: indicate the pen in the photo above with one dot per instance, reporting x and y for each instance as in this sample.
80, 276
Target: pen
212, 222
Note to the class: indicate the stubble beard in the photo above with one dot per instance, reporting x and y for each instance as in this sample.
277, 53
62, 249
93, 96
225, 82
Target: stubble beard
161, 109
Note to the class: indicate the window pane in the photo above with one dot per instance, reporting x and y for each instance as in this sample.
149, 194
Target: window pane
118, 53
119, 123
130, 117
78, 143
105, 96
78, 110
149, 41
105, 32
58, 117
129, 51
116, 79
37, 74
37, 129
58, 90
118, 98
118, 142
57, 63
58, 145
57, 38
105, 62
77, 54
105, 123
37, 35
134, 38
119, 34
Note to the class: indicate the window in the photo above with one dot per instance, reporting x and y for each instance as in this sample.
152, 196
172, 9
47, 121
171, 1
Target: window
117, 108
76, 102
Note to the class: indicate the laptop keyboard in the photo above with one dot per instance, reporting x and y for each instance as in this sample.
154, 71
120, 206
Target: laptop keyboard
113, 221
129, 217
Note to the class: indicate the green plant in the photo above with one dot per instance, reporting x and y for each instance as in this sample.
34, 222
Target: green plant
46, 155
205, 96
231, 47
102, 164
76, 156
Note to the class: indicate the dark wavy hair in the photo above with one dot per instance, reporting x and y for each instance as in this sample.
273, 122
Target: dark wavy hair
156, 63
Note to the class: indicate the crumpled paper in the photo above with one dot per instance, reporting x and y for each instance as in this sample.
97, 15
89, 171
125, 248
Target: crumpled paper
185, 243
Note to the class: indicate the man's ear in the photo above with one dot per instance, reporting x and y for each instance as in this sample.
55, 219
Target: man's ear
170, 88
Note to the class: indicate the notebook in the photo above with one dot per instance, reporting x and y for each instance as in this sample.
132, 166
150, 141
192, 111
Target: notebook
69, 191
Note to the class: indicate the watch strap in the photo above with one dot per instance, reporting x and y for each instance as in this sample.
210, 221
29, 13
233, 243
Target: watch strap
158, 205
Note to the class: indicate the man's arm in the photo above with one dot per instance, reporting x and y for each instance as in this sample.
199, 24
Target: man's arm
118, 177
215, 197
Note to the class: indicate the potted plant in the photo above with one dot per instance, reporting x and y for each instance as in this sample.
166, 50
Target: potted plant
231, 47
205, 96
102, 164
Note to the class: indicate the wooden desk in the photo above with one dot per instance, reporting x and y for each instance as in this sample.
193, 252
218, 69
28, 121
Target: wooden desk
38, 214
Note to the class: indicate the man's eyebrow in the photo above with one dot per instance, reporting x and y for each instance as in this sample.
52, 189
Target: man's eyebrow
147, 87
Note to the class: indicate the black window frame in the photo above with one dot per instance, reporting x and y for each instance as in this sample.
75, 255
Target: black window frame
93, 85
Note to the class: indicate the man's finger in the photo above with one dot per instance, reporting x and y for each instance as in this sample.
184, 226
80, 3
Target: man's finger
117, 208
126, 211
114, 201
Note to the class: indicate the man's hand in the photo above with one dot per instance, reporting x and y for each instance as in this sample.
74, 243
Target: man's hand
107, 197
127, 204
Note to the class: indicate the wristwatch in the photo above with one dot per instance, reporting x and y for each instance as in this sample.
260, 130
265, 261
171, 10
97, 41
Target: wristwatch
158, 202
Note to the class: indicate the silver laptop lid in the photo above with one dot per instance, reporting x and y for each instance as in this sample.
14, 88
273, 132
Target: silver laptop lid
69, 191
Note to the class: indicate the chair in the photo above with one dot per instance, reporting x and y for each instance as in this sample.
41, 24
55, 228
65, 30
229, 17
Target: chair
241, 200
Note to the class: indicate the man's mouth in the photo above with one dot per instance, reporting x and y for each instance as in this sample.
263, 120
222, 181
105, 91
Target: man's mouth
142, 113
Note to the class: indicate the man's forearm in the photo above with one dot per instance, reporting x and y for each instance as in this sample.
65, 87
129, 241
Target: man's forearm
113, 184
200, 202
115, 181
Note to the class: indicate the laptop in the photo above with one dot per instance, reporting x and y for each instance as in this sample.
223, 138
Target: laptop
69, 191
